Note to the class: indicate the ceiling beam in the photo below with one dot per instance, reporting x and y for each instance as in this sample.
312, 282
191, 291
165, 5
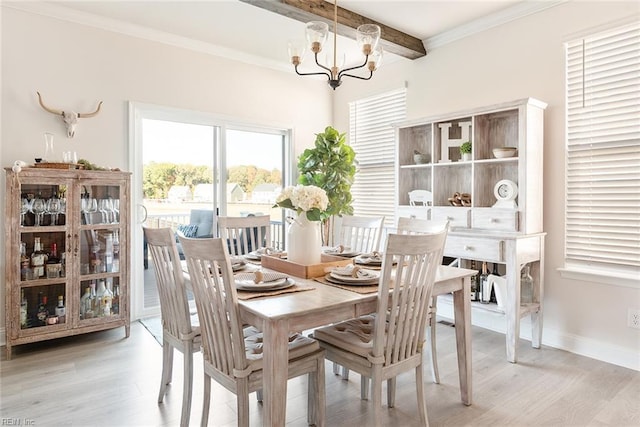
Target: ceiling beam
392, 40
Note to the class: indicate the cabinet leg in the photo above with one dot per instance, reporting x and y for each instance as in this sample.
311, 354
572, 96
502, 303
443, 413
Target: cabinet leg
536, 329
127, 330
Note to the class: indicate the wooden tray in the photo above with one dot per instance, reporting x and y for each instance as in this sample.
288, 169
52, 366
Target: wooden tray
52, 165
306, 271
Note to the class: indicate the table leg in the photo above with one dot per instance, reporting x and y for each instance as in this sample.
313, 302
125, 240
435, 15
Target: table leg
275, 367
462, 314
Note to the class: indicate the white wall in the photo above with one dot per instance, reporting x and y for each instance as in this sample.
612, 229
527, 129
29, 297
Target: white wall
525, 58
75, 66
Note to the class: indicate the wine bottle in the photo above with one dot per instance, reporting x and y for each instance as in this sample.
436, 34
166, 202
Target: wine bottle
493, 298
24, 262
485, 291
43, 311
474, 283
104, 298
108, 253
116, 253
85, 303
38, 259
115, 304
53, 263
526, 285
23, 310
61, 311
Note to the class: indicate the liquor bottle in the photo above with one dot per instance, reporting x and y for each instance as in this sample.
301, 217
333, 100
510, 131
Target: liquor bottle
493, 298
115, 304
61, 311
474, 283
108, 253
85, 302
104, 298
23, 310
43, 311
92, 306
63, 264
526, 285
24, 262
116, 253
53, 263
94, 260
485, 291
38, 259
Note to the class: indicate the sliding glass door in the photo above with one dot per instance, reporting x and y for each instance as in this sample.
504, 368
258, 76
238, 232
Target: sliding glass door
189, 168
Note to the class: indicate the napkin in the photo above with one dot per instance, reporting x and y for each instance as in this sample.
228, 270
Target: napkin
374, 257
260, 276
337, 249
355, 271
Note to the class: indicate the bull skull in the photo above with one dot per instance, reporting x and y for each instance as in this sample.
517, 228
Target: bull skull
70, 118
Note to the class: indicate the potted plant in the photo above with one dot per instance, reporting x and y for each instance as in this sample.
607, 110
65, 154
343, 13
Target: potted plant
465, 151
330, 165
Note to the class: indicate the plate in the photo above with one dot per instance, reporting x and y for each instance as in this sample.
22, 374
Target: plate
368, 277
333, 280
368, 259
276, 285
346, 252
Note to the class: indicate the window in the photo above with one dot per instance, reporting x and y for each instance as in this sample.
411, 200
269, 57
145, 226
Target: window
373, 139
603, 153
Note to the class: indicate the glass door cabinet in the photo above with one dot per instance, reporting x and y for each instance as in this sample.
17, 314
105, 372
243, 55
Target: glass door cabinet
67, 253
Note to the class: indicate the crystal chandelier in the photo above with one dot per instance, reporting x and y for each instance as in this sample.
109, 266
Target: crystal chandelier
367, 37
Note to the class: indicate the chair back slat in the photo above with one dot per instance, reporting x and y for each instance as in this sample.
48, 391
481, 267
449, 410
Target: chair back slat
174, 304
402, 317
217, 303
361, 234
245, 234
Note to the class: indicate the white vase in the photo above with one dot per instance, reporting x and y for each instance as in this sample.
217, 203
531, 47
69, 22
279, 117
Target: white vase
304, 241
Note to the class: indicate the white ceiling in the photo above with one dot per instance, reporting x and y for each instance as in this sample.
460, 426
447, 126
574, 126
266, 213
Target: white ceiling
251, 34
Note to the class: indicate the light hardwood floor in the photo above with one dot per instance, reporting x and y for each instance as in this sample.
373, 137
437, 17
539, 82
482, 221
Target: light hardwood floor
104, 379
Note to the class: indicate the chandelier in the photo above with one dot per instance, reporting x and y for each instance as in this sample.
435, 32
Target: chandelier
367, 37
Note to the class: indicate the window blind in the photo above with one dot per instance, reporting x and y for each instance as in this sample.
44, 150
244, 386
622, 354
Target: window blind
603, 151
373, 139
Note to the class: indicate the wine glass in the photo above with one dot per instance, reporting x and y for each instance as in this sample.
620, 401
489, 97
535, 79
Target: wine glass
63, 208
38, 207
24, 208
53, 209
116, 210
104, 210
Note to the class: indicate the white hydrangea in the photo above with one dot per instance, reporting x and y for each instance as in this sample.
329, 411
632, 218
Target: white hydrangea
303, 198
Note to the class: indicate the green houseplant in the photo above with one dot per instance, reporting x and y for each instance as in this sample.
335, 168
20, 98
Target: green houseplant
330, 165
465, 150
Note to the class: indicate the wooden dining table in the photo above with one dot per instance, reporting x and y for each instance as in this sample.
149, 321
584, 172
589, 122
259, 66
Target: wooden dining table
278, 315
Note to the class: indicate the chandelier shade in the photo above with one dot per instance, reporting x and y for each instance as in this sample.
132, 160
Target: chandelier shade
317, 33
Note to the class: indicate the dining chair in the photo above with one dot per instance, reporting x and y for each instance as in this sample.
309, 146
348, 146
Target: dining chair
383, 345
245, 234
229, 358
360, 233
180, 330
417, 197
426, 226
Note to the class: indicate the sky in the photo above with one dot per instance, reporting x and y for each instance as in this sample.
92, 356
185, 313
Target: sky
165, 141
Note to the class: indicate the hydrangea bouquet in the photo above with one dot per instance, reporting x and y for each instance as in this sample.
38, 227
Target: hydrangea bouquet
304, 198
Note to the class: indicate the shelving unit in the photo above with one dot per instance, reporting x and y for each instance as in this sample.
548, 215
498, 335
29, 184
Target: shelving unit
509, 236
84, 234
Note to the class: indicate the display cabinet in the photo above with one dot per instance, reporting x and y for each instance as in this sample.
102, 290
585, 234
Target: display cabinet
493, 200
67, 253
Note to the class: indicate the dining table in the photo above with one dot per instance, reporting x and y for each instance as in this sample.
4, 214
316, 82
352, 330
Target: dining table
322, 304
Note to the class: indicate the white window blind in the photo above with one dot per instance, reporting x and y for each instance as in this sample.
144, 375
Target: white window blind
603, 152
373, 139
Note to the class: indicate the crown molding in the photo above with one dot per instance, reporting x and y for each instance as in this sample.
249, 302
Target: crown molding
133, 30
512, 13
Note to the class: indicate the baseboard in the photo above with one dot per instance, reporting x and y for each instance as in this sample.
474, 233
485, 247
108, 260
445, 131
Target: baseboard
551, 337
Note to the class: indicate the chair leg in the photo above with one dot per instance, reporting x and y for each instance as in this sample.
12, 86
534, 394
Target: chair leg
259, 395
336, 369
187, 389
431, 336
391, 392
376, 379
167, 365
206, 402
242, 399
316, 396
422, 404
364, 387
345, 373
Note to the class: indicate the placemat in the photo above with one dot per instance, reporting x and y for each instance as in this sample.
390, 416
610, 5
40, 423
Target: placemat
357, 289
246, 295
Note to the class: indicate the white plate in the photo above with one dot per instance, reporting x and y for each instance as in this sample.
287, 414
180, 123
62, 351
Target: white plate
365, 260
371, 277
253, 256
276, 285
332, 279
347, 252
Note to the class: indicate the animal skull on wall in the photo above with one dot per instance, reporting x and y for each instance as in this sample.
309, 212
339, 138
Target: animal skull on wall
70, 118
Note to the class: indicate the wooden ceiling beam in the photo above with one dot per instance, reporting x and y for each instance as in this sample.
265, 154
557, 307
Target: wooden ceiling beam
392, 40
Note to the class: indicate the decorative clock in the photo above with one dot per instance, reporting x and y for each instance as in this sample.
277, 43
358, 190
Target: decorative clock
506, 192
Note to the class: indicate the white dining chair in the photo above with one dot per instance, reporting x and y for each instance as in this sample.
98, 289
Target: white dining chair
245, 234
360, 233
420, 197
180, 330
231, 359
383, 345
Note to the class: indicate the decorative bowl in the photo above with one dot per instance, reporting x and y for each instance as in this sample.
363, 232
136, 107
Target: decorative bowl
420, 159
504, 152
